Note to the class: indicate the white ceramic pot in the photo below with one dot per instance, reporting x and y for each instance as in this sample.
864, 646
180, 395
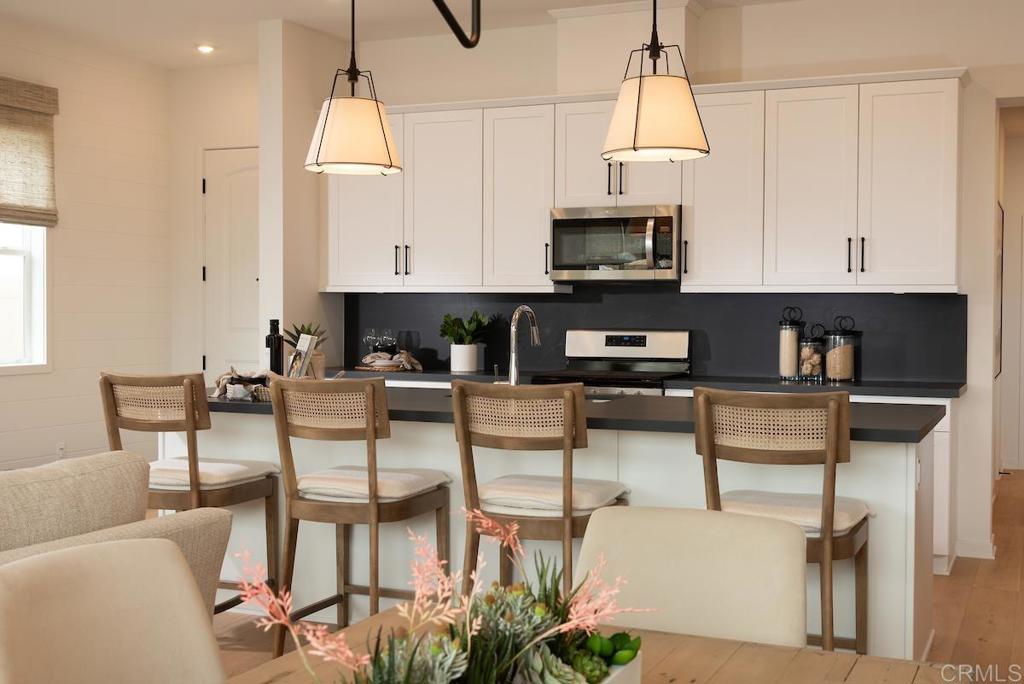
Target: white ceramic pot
625, 674
465, 358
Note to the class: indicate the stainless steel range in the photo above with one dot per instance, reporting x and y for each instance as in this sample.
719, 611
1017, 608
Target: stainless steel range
622, 362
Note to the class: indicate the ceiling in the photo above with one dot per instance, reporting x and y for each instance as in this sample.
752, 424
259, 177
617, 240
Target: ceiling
166, 32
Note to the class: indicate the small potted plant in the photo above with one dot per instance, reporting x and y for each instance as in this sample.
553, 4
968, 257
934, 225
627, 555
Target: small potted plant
465, 336
317, 360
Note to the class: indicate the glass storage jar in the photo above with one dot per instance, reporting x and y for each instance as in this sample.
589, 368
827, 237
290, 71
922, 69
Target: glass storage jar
842, 351
812, 354
791, 328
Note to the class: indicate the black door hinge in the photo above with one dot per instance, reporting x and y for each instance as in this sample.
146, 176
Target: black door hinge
204, 186
204, 274
204, 361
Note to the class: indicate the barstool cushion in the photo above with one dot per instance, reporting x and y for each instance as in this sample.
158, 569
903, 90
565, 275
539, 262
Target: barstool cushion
541, 496
351, 483
172, 473
802, 509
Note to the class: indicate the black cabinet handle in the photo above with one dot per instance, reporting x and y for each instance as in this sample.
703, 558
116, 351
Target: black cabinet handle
397, 272
547, 246
609, 178
621, 174
686, 250
849, 255
407, 260
862, 240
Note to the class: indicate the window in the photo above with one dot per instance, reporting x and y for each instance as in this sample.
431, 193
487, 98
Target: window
22, 295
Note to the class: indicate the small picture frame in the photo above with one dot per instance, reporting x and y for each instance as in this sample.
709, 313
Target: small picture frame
298, 364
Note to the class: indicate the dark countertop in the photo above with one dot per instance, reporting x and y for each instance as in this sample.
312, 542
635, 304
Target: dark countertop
877, 388
868, 422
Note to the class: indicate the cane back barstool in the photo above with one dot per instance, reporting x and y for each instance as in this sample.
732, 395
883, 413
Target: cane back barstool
343, 410
177, 403
792, 429
530, 418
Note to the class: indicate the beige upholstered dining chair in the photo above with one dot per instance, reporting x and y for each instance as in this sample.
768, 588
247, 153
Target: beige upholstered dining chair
346, 410
527, 418
122, 611
792, 429
704, 573
177, 403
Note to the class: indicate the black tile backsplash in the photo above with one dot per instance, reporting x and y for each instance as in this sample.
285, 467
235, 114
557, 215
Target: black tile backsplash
920, 337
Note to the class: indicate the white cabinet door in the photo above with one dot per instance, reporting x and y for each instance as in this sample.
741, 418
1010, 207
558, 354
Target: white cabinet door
649, 183
365, 226
810, 185
443, 198
582, 178
908, 182
518, 193
723, 194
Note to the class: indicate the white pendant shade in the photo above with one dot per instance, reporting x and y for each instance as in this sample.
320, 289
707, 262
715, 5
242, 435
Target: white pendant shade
353, 137
667, 128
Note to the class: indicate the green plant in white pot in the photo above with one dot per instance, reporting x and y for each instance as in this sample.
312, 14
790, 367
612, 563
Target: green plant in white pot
317, 360
465, 336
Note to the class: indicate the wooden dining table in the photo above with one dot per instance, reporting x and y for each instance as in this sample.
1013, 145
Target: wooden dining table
674, 659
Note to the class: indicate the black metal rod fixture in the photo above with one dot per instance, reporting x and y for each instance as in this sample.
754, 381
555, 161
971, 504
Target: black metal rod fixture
353, 70
471, 40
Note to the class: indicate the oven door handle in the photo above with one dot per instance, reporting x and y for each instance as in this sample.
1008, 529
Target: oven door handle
649, 243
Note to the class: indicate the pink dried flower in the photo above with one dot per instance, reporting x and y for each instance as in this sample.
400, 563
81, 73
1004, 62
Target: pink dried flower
434, 598
508, 534
332, 647
255, 591
594, 601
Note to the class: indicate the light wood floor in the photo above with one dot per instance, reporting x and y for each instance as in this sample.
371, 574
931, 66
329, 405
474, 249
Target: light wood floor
979, 609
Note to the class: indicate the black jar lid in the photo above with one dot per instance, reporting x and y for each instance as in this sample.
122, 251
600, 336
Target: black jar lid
792, 317
844, 327
815, 335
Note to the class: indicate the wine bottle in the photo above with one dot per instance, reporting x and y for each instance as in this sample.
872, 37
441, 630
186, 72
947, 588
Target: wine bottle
275, 343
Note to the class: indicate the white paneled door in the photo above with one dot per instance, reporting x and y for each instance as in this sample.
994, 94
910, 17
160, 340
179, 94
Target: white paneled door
231, 271
518, 195
723, 194
908, 182
582, 178
810, 186
443, 198
365, 240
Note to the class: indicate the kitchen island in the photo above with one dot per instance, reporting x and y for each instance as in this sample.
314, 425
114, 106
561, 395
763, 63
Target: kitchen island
646, 443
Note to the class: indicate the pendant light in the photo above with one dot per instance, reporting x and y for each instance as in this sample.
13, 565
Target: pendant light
655, 117
352, 134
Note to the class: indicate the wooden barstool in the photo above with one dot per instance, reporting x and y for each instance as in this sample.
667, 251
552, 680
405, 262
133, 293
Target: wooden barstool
341, 410
792, 429
177, 403
533, 418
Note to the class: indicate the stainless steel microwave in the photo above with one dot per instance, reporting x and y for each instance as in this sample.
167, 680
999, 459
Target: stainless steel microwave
615, 243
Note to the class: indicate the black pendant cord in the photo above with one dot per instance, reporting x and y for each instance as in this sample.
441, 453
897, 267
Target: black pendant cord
655, 46
471, 40
353, 70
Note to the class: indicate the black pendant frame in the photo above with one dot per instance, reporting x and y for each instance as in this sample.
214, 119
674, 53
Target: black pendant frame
470, 41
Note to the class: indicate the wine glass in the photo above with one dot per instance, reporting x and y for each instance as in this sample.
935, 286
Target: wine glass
371, 339
389, 340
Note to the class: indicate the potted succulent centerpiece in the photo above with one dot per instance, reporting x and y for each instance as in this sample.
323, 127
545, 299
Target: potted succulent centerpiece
317, 360
464, 337
526, 633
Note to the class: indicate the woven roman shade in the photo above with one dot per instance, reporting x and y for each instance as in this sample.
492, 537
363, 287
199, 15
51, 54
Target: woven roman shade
27, 193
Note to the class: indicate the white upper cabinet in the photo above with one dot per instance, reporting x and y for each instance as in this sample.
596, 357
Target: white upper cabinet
443, 198
582, 178
365, 237
518, 195
810, 186
908, 183
723, 194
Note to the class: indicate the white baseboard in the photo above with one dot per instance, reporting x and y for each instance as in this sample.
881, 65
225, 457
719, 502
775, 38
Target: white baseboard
923, 656
971, 548
943, 565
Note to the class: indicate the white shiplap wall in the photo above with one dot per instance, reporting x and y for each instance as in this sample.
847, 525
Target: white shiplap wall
110, 254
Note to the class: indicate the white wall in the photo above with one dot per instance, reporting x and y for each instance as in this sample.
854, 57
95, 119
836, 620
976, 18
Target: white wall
109, 255
1011, 409
212, 107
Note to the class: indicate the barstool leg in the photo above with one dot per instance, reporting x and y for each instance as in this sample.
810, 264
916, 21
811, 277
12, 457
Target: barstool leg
567, 557
374, 566
270, 515
469, 561
827, 636
341, 543
860, 568
441, 517
505, 569
291, 537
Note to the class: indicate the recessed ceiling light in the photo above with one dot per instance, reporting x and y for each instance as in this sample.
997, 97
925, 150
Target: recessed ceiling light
205, 49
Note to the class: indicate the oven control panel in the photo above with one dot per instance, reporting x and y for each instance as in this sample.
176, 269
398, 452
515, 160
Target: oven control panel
669, 345
625, 340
